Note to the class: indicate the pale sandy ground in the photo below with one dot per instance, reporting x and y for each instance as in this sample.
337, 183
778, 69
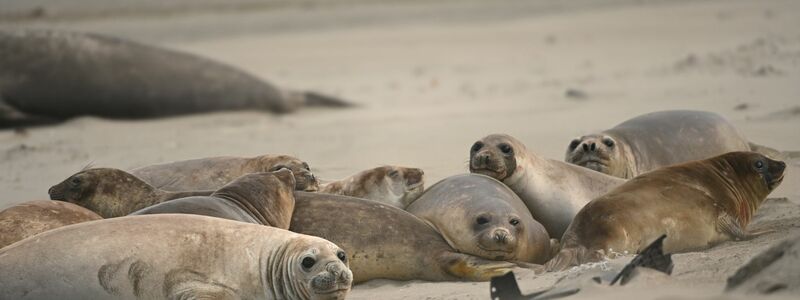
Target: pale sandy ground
431, 78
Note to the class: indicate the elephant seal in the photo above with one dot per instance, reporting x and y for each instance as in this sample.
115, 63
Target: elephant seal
79, 74
173, 257
387, 242
214, 172
479, 215
393, 185
111, 192
656, 140
258, 198
27, 219
554, 191
697, 204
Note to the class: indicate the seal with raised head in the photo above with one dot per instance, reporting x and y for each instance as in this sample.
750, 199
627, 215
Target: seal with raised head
259, 198
112, 192
393, 185
79, 74
655, 140
387, 242
697, 204
553, 191
27, 219
173, 257
479, 215
214, 172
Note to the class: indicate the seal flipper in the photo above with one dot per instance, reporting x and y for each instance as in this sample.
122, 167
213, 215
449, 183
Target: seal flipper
187, 284
730, 226
651, 257
505, 288
12, 117
468, 267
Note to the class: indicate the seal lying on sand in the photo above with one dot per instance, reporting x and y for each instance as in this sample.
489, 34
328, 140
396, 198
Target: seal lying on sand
214, 172
30, 218
393, 185
258, 198
479, 215
387, 242
554, 191
173, 257
696, 204
658, 139
112, 192
88, 74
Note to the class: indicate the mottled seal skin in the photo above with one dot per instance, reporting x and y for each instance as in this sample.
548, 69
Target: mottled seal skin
214, 172
387, 242
656, 140
697, 204
89, 74
553, 191
394, 185
479, 215
27, 219
173, 257
112, 192
258, 198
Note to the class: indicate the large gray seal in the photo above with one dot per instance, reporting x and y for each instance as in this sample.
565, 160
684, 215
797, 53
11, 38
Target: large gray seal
214, 172
655, 140
394, 185
479, 215
258, 198
112, 192
27, 219
697, 204
173, 257
387, 242
46, 76
554, 191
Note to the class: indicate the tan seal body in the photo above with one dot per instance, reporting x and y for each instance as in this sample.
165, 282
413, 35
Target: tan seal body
173, 257
27, 219
258, 198
393, 185
655, 140
479, 215
387, 242
553, 191
112, 192
696, 204
214, 172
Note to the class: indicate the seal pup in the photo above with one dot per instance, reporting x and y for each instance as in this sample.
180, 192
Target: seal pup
78, 74
214, 172
30, 218
393, 185
387, 242
553, 191
697, 204
259, 198
479, 215
112, 192
173, 257
655, 140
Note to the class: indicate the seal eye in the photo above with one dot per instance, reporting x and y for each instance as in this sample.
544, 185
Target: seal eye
394, 173
759, 164
308, 262
482, 220
514, 222
75, 181
574, 144
477, 146
341, 256
505, 148
608, 142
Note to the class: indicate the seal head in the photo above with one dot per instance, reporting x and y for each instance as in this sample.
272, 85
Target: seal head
598, 152
101, 190
304, 178
317, 269
494, 156
394, 185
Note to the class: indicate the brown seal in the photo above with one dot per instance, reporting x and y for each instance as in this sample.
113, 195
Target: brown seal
393, 185
112, 192
214, 172
30, 218
696, 204
259, 198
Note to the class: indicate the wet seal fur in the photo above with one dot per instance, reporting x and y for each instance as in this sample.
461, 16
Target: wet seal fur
697, 204
553, 191
479, 215
394, 185
173, 257
214, 172
27, 219
387, 242
258, 198
112, 192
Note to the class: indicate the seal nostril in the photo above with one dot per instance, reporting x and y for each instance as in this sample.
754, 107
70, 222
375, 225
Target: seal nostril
585, 147
593, 146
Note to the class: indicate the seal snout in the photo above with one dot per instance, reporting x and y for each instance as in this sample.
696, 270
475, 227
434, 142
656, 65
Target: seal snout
502, 236
414, 177
56, 192
335, 282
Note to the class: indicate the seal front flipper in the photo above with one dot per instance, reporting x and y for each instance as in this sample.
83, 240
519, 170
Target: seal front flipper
730, 226
297, 99
184, 284
651, 257
468, 267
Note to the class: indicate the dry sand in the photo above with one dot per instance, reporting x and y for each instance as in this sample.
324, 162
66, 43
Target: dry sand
433, 77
